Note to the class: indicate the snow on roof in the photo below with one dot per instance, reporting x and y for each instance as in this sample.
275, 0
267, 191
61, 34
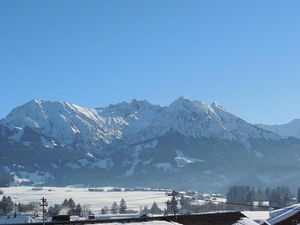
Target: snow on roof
18, 219
245, 221
284, 213
155, 222
257, 215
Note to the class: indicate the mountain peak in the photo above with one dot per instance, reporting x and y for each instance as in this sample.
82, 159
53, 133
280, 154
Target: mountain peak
183, 104
182, 99
140, 103
52, 105
41, 103
216, 105
128, 108
35, 101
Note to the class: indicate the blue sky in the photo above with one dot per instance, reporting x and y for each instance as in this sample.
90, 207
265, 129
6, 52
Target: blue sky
243, 54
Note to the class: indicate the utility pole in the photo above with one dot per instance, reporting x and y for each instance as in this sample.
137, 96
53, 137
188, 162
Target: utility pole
173, 203
44, 203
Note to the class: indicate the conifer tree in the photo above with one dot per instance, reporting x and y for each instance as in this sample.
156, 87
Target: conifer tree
71, 203
155, 209
78, 210
122, 207
114, 208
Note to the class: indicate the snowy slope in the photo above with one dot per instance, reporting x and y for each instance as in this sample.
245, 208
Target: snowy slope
291, 129
137, 115
239, 128
197, 119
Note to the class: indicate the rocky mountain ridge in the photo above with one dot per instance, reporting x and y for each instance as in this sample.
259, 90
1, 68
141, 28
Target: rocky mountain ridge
291, 129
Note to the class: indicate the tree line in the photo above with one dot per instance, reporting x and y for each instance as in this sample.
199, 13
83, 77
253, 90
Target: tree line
121, 208
6, 205
154, 209
277, 197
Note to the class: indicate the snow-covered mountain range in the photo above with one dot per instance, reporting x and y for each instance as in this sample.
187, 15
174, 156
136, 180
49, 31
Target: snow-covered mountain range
93, 129
125, 142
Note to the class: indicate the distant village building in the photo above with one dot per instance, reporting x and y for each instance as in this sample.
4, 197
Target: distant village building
117, 189
96, 189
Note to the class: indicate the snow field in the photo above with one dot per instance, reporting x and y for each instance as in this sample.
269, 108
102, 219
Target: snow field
95, 200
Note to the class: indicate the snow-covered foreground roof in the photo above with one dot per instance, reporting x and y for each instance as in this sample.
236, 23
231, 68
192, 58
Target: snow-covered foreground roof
242, 221
245, 221
257, 215
284, 213
155, 222
18, 219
